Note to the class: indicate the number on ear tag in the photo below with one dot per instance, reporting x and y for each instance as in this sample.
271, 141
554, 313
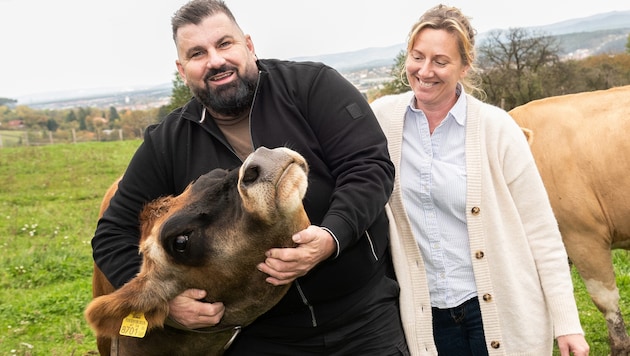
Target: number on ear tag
134, 325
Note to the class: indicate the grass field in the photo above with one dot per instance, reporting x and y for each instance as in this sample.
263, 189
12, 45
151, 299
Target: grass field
49, 200
49, 204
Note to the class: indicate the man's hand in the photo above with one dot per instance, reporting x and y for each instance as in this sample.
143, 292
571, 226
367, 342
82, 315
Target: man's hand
283, 265
187, 310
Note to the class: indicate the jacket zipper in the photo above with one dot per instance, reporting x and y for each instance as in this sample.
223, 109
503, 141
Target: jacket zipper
251, 135
251, 109
369, 238
306, 302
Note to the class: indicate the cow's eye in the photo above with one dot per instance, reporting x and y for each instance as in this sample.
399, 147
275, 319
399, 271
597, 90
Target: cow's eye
180, 243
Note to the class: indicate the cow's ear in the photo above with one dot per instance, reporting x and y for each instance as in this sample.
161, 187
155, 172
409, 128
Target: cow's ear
529, 135
105, 314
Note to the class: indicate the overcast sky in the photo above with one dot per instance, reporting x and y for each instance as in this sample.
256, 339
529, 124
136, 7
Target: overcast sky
60, 45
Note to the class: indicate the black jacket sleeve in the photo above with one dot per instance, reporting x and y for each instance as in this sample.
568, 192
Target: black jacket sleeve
116, 239
355, 149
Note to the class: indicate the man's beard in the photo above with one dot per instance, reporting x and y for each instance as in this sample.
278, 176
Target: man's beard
232, 99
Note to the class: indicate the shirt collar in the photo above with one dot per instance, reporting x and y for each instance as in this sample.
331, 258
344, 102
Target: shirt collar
458, 111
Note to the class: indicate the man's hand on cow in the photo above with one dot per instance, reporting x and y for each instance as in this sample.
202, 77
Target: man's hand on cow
187, 310
284, 265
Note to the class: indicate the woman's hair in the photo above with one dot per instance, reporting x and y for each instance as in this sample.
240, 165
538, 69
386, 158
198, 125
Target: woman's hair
196, 11
452, 20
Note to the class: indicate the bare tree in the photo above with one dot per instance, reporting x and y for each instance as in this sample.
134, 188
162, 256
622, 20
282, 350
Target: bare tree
516, 64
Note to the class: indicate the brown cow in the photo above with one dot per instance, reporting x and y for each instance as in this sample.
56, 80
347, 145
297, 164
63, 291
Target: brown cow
210, 237
581, 146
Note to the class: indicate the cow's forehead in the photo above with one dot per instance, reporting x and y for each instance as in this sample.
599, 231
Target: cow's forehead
215, 180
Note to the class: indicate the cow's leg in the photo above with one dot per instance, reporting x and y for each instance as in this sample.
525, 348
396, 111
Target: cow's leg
593, 261
101, 286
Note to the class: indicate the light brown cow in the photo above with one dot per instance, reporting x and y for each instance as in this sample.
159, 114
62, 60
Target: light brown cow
210, 237
582, 148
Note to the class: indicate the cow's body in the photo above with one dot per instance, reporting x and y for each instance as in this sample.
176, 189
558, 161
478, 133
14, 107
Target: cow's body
581, 145
210, 237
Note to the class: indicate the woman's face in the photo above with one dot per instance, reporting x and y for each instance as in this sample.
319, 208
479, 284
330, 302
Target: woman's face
434, 67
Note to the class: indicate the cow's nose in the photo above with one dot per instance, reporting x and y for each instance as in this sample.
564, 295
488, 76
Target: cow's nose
250, 174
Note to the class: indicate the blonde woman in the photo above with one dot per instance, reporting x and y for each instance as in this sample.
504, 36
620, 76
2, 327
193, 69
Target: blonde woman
476, 247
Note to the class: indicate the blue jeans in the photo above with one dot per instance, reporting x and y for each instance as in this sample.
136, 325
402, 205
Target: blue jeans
458, 331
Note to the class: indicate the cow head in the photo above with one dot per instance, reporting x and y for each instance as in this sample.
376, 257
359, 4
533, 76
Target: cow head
211, 237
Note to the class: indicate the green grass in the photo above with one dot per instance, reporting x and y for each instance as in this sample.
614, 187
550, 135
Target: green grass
593, 321
49, 199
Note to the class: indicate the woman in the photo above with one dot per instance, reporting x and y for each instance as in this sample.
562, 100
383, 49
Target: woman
473, 233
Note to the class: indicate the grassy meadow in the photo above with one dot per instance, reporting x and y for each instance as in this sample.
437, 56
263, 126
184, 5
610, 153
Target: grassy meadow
49, 199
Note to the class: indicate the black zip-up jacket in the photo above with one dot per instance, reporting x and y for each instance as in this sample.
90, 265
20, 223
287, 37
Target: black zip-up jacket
312, 109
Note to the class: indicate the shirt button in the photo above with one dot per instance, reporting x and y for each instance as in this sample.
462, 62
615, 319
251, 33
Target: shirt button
495, 344
475, 210
479, 255
487, 297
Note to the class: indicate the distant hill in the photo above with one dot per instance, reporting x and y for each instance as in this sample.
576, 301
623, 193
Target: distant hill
606, 21
602, 33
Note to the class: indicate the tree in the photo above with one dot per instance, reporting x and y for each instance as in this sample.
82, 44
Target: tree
33, 119
5, 101
604, 71
516, 65
52, 125
181, 93
397, 85
133, 123
113, 114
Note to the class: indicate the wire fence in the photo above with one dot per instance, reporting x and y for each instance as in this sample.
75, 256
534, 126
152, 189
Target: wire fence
16, 138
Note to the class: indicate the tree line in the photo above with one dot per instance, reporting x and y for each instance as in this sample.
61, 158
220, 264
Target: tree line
515, 66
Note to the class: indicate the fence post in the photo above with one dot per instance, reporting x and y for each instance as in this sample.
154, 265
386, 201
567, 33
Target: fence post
50, 137
120, 134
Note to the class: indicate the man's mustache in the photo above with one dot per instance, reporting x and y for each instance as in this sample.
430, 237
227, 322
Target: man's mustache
212, 72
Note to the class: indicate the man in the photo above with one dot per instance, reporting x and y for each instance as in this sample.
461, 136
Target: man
343, 298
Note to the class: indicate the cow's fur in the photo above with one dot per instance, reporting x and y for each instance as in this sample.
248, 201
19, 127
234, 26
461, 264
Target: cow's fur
581, 146
210, 237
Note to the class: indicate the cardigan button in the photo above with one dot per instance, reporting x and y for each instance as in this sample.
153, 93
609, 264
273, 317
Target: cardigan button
475, 210
495, 344
479, 255
487, 297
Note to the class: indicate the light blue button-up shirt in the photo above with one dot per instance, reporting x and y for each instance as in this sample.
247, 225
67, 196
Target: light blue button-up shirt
433, 181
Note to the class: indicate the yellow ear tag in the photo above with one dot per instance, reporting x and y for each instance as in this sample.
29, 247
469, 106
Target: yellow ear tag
134, 325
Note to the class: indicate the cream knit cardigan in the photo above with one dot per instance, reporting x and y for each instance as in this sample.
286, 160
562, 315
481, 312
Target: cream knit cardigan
520, 264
